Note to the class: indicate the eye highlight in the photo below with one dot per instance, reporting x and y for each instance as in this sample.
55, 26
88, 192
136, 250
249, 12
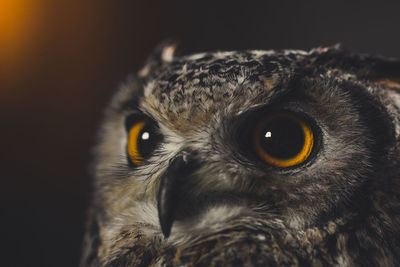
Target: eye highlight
283, 139
143, 138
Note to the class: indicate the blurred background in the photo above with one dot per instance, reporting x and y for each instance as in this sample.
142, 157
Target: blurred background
60, 61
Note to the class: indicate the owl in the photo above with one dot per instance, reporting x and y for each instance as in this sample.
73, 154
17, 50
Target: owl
250, 158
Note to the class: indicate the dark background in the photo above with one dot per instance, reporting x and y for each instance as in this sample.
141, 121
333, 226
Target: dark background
60, 61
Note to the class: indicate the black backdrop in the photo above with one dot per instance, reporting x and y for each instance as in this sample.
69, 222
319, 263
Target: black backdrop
60, 69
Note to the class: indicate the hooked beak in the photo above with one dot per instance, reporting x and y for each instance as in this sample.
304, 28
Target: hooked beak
169, 194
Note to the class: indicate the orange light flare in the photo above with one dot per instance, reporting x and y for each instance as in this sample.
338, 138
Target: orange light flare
18, 28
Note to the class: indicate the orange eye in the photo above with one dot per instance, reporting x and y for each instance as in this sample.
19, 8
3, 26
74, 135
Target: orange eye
283, 139
143, 138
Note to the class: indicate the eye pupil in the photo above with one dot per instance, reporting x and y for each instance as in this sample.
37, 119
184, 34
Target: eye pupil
147, 141
283, 138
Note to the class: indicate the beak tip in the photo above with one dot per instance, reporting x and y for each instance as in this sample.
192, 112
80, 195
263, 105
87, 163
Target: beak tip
166, 231
165, 224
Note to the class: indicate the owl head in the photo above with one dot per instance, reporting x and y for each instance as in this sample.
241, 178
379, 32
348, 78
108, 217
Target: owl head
196, 147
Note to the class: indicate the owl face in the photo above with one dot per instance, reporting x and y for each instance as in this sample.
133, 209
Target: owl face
197, 144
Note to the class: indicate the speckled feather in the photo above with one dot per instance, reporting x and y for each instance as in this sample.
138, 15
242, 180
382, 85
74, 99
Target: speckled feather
342, 208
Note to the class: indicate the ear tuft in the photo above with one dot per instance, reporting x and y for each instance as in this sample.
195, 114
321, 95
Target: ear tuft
385, 71
167, 53
326, 49
389, 83
164, 52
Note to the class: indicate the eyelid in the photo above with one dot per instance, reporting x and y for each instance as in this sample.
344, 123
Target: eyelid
246, 125
133, 118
